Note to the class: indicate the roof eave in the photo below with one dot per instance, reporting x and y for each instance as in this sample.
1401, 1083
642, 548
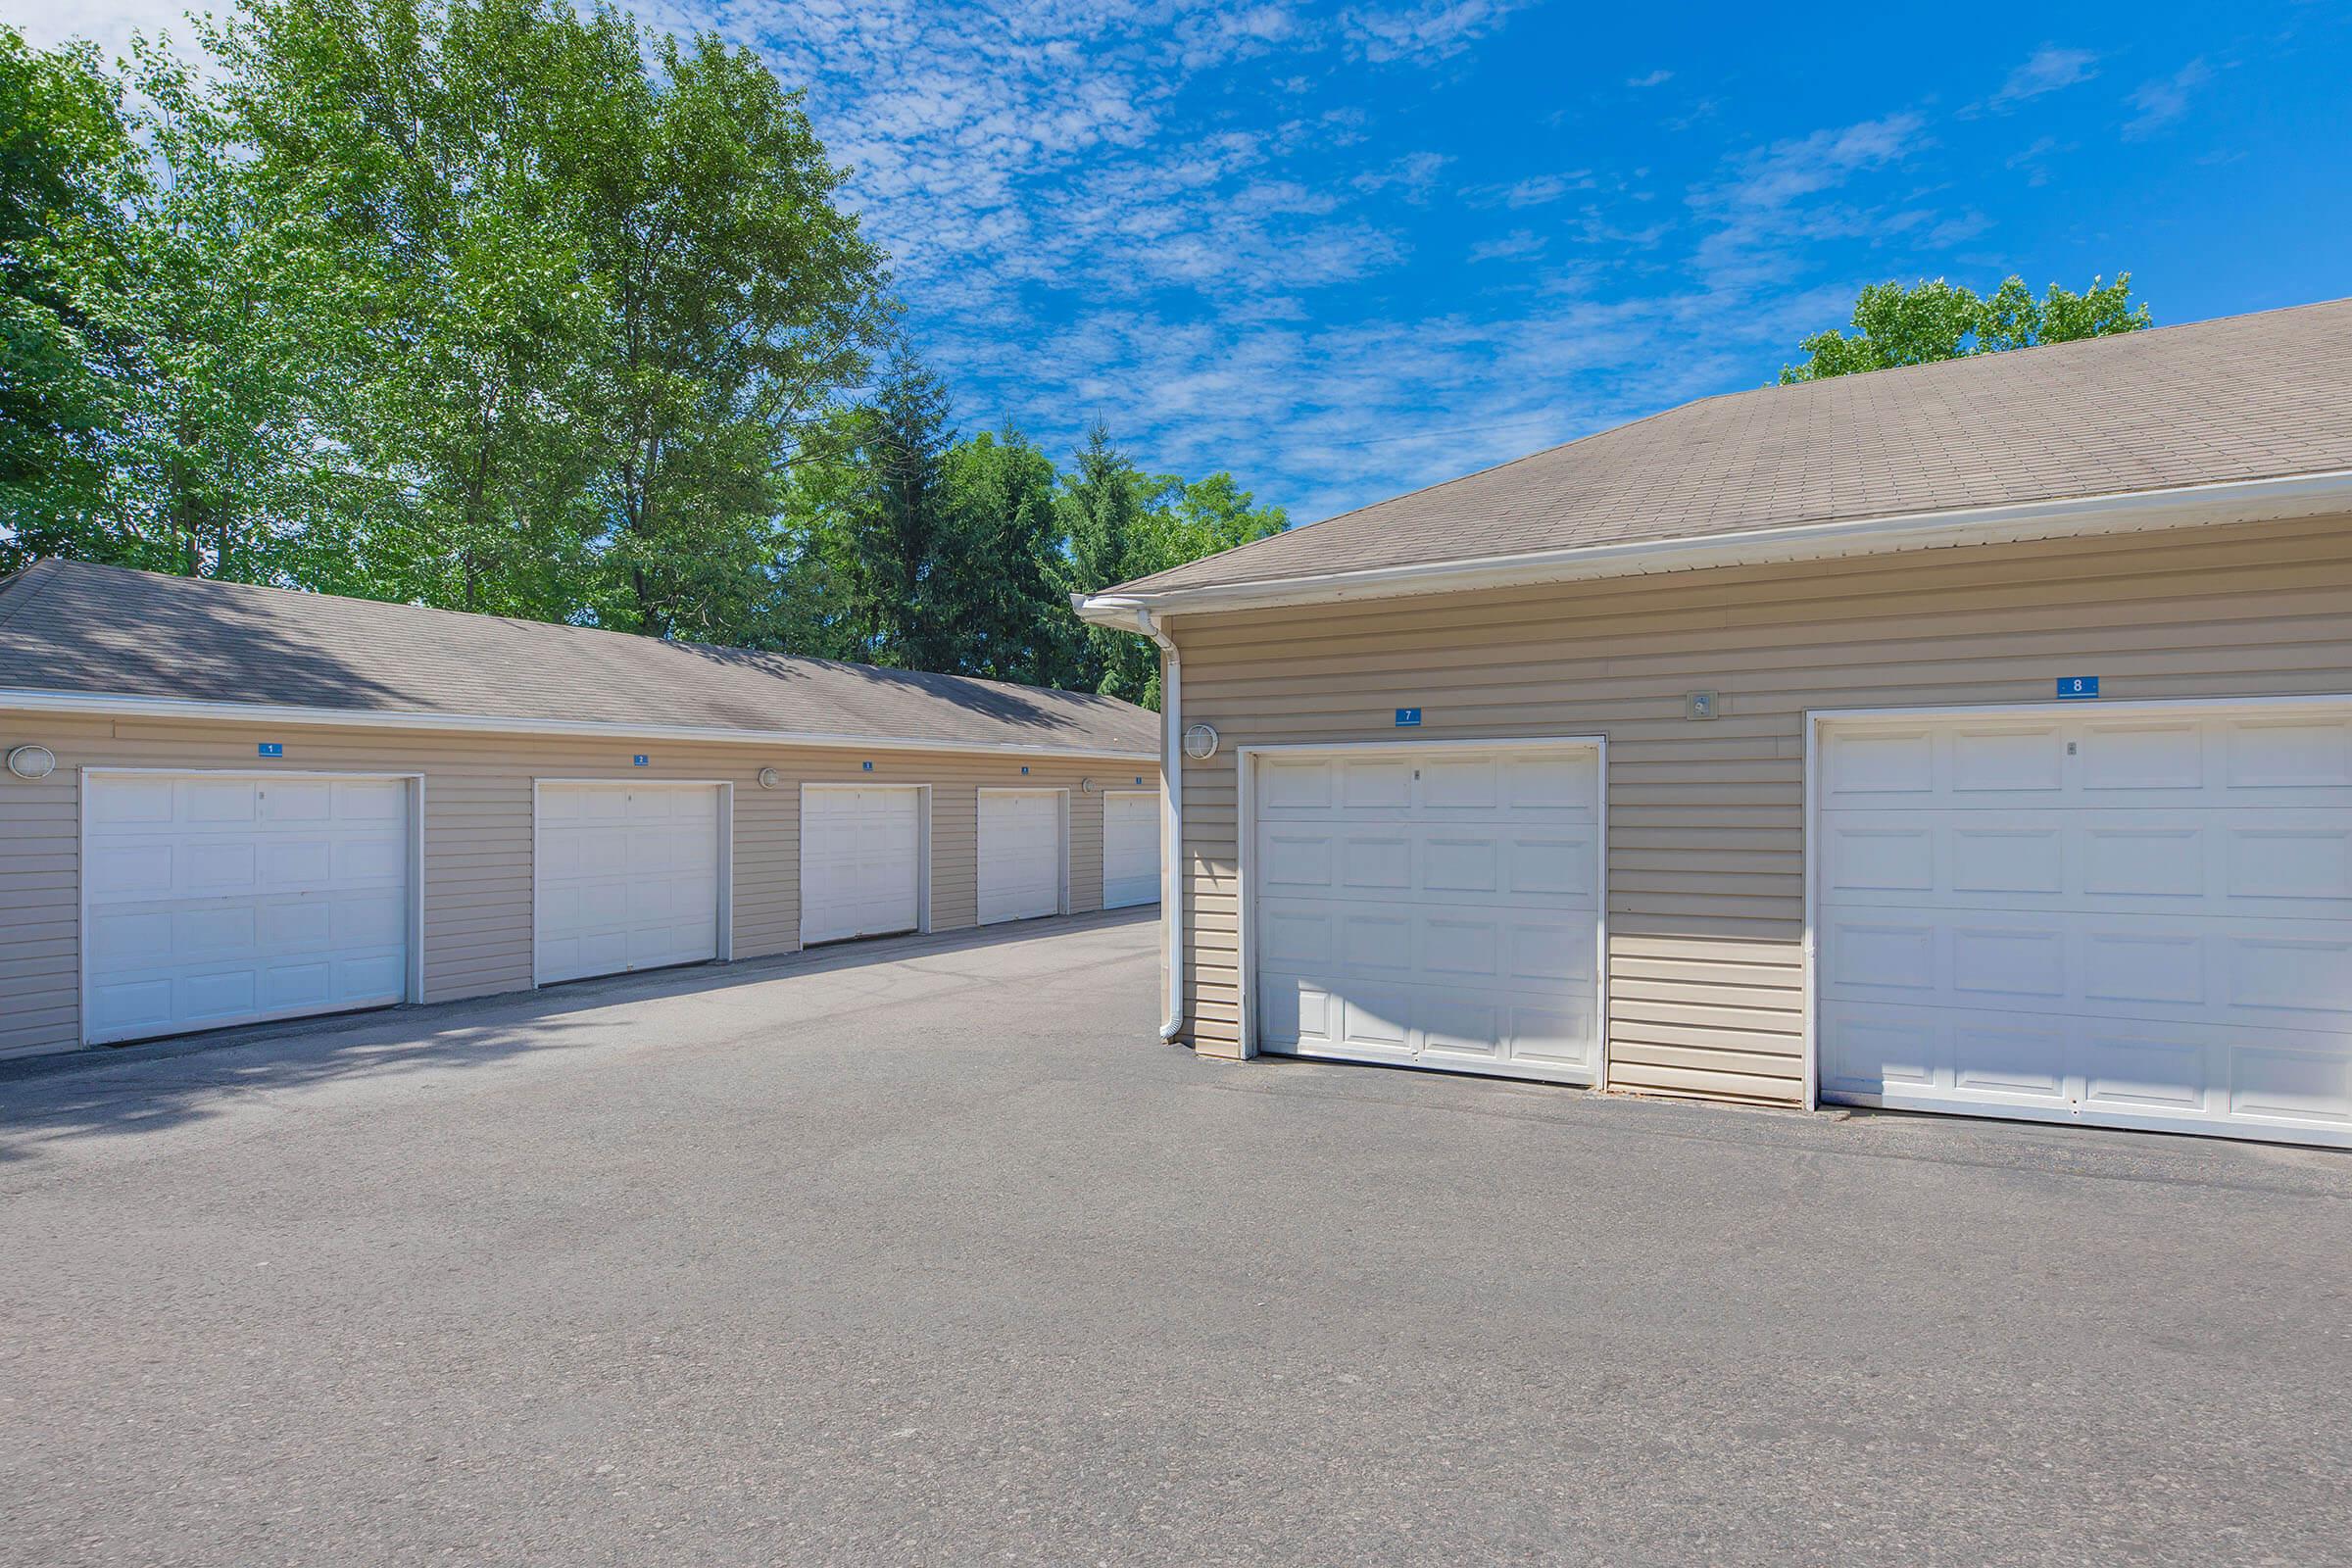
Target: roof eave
112, 706
2128, 512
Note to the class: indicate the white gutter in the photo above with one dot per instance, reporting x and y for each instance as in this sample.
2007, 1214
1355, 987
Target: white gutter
1171, 827
172, 708
2131, 512
1171, 795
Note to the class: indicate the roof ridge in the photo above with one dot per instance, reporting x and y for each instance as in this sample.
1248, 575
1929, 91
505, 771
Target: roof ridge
20, 587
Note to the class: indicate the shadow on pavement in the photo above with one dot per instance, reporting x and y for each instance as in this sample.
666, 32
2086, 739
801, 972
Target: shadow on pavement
154, 1085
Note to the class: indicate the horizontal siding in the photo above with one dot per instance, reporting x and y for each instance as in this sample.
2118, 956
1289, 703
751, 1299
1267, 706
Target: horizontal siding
477, 850
1706, 830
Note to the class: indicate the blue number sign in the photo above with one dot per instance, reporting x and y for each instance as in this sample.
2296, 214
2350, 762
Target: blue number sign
2077, 685
1408, 718
274, 748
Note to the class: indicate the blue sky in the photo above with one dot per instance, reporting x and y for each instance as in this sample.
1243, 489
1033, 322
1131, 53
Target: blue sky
1347, 249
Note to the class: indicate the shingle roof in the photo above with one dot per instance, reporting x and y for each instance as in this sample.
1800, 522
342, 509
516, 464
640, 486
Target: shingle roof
68, 626
2248, 397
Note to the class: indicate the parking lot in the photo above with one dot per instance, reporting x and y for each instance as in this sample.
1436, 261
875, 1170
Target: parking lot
930, 1253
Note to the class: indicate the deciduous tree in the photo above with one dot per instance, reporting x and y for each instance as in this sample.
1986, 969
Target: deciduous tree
1930, 321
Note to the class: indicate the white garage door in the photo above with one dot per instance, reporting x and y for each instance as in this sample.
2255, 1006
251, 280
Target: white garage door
1020, 854
215, 899
1439, 907
628, 877
1130, 849
862, 861
2139, 917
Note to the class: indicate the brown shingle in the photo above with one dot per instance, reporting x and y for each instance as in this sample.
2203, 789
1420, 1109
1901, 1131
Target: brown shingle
68, 626
2249, 396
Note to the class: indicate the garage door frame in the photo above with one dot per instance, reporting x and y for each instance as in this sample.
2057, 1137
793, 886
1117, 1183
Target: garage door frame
922, 854
723, 949
1246, 760
1819, 720
415, 782
1061, 849
1158, 836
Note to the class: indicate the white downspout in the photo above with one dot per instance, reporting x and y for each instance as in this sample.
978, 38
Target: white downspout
1171, 825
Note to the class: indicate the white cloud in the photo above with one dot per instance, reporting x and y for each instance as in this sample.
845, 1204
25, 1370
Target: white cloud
2046, 69
1517, 245
1656, 79
2164, 99
109, 23
1425, 31
1413, 176
1763, 216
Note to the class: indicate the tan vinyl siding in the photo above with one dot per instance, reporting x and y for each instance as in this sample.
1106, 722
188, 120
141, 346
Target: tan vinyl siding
1707, 847
477, 836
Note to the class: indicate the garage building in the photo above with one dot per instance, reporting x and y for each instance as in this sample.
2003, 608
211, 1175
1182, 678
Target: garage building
1970, 737
228, 804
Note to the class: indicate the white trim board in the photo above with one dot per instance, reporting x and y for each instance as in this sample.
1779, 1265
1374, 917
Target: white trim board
415, 978
1816, 720
170, 707
1245, 835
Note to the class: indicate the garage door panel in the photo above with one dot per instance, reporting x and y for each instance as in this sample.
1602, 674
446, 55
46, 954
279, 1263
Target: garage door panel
2295, 863
2291, 754
2188, 968
218, 899
217, 803
2211, 758
1552, 867
2166, 938
861, 861
2276, 1083
1933, 1058
1439, 907
213, 867
1545, 1035
1130, 849
1020, 854
629, 877
1373, 786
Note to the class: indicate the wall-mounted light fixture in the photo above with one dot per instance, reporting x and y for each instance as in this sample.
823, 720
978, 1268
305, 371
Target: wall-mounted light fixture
1200, 743
32, 761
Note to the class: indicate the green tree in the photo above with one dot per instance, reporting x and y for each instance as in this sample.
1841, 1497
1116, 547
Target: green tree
1000, 567
1933, 321
899, 521
224, 309
1106, 505
739, 300
419, 133
1122, 523
65, 163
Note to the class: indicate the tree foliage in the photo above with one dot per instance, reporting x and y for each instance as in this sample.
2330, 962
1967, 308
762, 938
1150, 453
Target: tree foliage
1893, 325
66, 165
914, 546
512, 305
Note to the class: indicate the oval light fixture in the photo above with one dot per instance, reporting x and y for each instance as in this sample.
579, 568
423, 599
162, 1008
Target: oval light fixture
32, 761
1200, 742
1086, 786
769, 778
